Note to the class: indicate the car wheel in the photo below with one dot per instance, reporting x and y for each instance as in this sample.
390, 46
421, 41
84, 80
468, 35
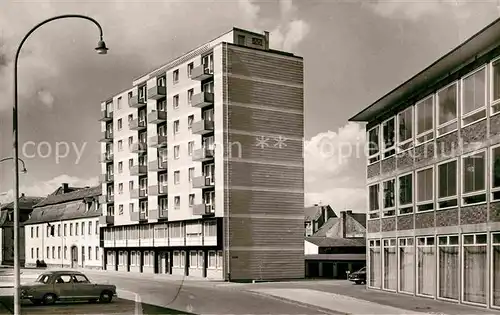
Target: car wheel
36, 301
106, 297
49, 299
357, 282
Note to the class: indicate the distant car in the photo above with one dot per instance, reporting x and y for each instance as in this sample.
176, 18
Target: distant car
54, 286
358, 277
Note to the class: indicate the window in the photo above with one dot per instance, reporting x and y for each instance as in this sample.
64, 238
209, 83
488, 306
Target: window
390, 265
257, 41
175, 101
373, 145
70, 229
212, 260
76, 228
406, 263
176, 127
447, 185
190, 174
474, 268
37, 253
426, 266
32, 232
447, 109
37, 231
495, 173
130, 117
120, 188
176, 152
32, 253
177, 202
190, 95
120, 209
241, 40
96, 227
83, 228
190, 147
190, 121
65, 229
120, 124
405, 190
89, 250
388, 197
65, 252
425, 189
495, 261
374, 201
131, 207
120, 145
177, 177
193, 259
53, 252
130, 163
448, 267
190, 67
90, 228
474, 96
191, 200
375, 263
495, 86
474, 178
161, 81
130, 141
388, 140
131, 185
405, 129
424, 118
175, 76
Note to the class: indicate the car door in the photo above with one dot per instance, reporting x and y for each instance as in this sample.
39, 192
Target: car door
63, 287
84, 289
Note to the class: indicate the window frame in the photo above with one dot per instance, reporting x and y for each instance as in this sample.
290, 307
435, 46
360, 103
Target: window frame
491, 170
438, 246
475, 193
379, 202
411, 140
405, 206
475, 111
393, 208
393, 147
399, 245
377, 155
430, 131
453, 121
438, 200
463, 245
433, 200
491, 101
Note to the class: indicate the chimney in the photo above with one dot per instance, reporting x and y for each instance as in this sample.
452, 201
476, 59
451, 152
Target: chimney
65, 188
344, 223
266, 44
22, 195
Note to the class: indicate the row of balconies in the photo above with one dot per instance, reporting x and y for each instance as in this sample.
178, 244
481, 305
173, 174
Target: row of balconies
198, 100
200, 182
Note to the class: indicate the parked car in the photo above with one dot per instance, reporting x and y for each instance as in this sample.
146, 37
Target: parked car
52, 286
358, 277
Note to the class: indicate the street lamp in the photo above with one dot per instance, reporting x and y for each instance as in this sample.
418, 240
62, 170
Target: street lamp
24, 170
102, 50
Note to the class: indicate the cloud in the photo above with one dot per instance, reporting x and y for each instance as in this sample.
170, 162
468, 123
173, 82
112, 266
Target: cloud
42, 189
46, 97
414, 10
334, 164
287, 33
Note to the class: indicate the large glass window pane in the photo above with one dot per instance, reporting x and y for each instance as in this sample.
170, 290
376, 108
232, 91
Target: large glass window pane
390, 264
495, 156
447, 104
449, 270
425, 117
406, 265
373, 196
475, 273
426, 267
474, 88
373, 138
405, 190
496, 81
405, 121
425, 182
474, 172
375, 264
389, 193
389, 136
495, 268
447, 180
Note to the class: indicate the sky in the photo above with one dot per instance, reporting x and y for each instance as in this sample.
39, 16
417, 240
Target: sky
354, 52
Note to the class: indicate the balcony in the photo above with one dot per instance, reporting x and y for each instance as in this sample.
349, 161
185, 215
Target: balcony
138, 193
201, 73
202, 127
138, 170
157, 166
106, 116
202, 99
136, 102
202, 155
138, 216
158, 190
158, 214
106, 178
106, 136
106, 220
106, 199
203, 209
203, 182
106, 157
136, 124
157, 92
157, 116
158, 141
139, 147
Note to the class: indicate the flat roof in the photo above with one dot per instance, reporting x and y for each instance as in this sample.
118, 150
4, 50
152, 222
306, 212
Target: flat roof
486, 39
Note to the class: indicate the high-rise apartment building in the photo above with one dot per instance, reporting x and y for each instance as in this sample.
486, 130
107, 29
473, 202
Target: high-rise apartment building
202, 163
433, 172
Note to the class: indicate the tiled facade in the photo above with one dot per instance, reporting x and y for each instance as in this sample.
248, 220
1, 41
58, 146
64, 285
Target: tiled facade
184, 185
433, 181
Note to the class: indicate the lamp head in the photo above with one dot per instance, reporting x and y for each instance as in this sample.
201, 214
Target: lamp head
101, 48
24, 170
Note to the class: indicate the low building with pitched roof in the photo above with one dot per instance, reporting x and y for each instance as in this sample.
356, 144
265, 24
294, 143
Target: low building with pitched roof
315, 217
63, 229
7, 227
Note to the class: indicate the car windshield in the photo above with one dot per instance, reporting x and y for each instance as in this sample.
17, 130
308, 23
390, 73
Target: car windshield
43, 279
362, 269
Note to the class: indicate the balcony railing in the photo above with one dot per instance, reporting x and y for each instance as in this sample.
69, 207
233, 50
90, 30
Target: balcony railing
156, 214
139, 147
202, 99
138, 216
136, 102
106, 116
203, 209
157, 92
106, 136
201, 73
106, 199
106, 220
106, 157
203, 154
138, 193
158, 141
203, 182
202, 127
157, 116
136, 124
137, 170
157, 190
106, 178
156, 166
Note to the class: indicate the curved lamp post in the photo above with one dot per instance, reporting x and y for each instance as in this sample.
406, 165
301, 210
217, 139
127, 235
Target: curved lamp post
102, 50
24, 170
